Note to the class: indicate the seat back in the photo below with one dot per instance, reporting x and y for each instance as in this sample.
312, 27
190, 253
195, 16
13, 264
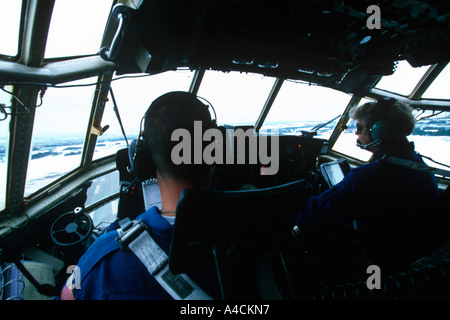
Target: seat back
234, 230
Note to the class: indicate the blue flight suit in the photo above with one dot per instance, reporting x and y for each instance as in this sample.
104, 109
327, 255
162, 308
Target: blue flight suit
378, 211
107, 272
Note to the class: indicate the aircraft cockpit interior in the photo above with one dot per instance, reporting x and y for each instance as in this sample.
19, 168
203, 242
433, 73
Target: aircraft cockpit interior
281, 81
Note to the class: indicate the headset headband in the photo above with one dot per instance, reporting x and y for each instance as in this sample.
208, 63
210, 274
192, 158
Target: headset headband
139, 152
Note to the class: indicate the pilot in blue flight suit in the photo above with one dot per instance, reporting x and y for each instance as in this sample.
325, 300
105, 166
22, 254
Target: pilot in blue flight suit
379, 210
108, 272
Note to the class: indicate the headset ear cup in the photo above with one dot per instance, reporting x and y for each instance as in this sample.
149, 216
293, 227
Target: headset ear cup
148, 169
141, 160
382, 130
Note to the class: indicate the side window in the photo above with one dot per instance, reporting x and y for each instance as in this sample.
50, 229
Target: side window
70, 36
432, 133
5, 101
404, 79
439, 88
58, 133
10, 26
133, 96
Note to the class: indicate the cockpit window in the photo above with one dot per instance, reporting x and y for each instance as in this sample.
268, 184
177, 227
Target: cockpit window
5, 101
439, 89
237, 97
302, 107
76, 27
10, 12
133, 96
404, 79
432, 133
58, 133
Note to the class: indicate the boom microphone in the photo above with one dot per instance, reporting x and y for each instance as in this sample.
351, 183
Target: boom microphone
369, 145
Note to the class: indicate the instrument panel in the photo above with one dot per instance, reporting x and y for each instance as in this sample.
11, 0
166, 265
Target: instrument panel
288, 157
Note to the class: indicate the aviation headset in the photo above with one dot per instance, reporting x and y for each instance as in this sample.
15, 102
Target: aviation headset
382, 130
139, 153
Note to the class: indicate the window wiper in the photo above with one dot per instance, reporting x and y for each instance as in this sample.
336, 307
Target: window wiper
116, 110
434, 114
311, 133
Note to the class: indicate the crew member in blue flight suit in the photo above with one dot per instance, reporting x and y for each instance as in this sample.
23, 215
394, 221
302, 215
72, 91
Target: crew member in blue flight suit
378, 213
106, 271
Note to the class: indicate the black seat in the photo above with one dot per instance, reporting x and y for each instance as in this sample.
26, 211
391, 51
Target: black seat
131, 200
437, 228
236, 232
426, 278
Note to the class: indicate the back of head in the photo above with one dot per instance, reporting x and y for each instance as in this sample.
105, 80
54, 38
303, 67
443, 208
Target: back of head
389, 119
171, 111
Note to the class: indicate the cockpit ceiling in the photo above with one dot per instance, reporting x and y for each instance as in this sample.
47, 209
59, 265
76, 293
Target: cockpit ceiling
319, 41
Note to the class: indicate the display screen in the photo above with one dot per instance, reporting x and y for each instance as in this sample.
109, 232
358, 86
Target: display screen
333, 171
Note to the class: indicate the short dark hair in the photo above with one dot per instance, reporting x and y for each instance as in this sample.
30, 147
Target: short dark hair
171, 111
